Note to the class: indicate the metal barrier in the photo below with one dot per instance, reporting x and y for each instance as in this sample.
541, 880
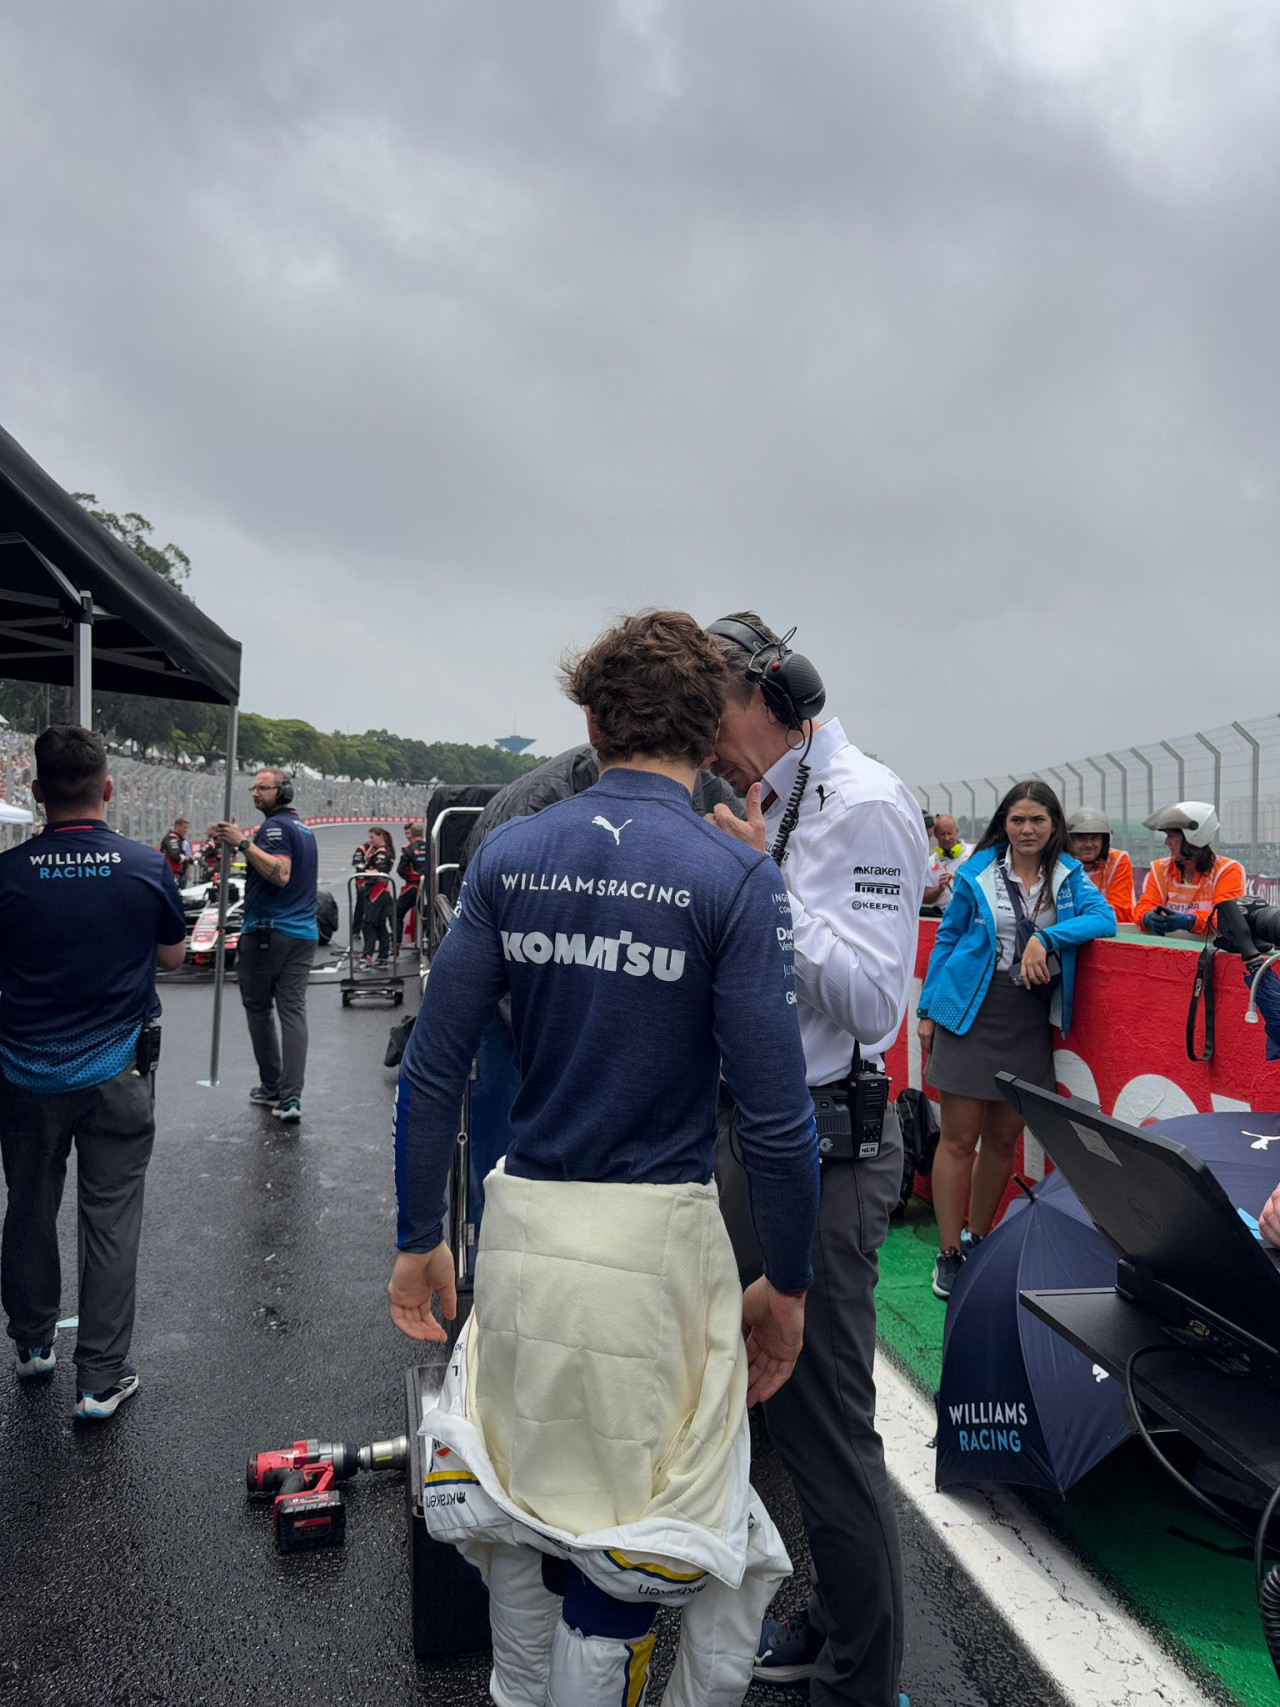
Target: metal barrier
381, 981
435, 911
1237, 767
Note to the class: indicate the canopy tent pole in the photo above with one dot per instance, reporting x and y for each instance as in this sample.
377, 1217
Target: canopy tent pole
82, 665
224, 884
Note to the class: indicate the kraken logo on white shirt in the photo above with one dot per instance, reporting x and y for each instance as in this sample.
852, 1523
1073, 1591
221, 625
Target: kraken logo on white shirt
606, 825
536, 948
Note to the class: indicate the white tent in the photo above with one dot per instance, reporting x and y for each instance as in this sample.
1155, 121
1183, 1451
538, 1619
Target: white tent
13, 814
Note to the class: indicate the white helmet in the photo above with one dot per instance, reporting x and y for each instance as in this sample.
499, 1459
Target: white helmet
1197, 820
1088, 821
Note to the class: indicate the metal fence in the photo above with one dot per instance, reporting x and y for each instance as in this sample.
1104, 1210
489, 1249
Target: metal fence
148, 797
1236, 767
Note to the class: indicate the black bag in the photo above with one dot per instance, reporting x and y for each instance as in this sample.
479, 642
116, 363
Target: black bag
919, 1123
326, 915
1026, 930
398, 1041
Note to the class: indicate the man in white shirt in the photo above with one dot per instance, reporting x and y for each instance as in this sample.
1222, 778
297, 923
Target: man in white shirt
851, 845
947, 853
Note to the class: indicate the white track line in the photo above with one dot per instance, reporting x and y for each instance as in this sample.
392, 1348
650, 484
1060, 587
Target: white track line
1095, 1652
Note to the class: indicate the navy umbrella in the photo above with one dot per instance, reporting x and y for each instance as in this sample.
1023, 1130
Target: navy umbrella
1017, 1403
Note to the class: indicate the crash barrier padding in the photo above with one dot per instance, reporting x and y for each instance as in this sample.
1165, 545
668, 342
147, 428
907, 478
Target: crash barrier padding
1126, 1050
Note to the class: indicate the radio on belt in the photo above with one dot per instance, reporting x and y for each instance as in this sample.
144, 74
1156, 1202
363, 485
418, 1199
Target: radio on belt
850, 1116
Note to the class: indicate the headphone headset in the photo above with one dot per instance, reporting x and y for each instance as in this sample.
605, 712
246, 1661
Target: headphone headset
792, 688
284, 790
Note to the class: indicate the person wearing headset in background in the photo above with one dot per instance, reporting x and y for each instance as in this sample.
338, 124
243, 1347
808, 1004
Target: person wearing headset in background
277, 941
1181, 891
1109, 869
849, 839
947, 853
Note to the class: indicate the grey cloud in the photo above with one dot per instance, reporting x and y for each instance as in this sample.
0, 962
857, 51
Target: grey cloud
482, 321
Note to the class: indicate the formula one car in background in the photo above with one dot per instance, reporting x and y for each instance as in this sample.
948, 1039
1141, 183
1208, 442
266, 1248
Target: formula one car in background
200, 905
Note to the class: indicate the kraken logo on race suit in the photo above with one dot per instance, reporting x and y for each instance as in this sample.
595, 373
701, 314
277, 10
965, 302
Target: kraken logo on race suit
606, 825
536, 948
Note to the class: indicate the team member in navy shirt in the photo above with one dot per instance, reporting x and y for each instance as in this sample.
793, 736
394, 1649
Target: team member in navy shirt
84, 916
643, 951
277, 941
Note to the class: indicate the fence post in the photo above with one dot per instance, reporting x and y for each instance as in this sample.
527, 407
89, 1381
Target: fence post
1103, 775
973, 811
921, 790
1254, 786
1217, 768
995, 792
1062, 783
1181, 763
1151, 792
950, 804
1124, 792
1079, 779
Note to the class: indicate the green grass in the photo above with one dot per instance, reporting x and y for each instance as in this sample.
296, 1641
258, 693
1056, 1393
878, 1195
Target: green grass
1182, 1574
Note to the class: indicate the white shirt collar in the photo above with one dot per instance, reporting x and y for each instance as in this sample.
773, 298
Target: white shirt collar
780, 777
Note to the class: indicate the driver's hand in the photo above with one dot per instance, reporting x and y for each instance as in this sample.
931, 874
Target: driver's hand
415, 1279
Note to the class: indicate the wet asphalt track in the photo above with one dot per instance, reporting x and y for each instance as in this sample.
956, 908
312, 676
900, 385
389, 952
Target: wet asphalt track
132, 1568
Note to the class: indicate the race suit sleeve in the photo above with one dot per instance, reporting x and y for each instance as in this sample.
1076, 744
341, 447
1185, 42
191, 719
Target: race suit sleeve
758, 1033
955, 922
1152, 891
468, 977
1093, 916
1120, 890
855, 955
1228, 885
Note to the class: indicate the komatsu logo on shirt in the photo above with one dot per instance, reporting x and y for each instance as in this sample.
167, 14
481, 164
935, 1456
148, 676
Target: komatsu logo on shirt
536, 948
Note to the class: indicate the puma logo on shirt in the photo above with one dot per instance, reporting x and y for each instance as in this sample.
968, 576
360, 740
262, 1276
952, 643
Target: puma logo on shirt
606, 825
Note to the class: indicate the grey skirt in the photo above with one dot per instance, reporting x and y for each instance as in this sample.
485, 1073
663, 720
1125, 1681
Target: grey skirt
1010, 1033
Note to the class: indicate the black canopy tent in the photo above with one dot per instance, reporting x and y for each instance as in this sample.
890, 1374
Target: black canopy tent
79, 609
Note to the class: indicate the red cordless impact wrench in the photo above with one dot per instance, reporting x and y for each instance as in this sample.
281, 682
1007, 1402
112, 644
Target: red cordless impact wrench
309, 1509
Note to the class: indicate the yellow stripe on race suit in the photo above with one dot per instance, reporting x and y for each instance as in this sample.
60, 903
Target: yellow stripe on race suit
450, 1476
638, 1656
648, 1569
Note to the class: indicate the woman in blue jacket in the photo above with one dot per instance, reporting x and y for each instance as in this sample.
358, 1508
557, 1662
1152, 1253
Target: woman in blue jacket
1001, 976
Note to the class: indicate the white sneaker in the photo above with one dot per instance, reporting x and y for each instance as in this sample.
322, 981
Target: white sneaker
97, 1407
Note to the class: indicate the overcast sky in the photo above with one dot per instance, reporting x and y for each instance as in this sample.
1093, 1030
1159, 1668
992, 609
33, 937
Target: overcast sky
437, 333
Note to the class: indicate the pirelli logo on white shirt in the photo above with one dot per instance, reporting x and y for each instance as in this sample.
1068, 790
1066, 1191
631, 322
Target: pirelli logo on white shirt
602, 953
877, 888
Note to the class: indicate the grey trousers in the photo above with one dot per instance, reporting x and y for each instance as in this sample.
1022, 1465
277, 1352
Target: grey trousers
274, 972
113, 1127
822, 1423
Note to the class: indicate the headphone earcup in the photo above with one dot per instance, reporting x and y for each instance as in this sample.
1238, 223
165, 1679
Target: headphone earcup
793, 690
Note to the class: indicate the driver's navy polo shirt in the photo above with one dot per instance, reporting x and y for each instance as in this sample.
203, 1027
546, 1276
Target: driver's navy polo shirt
81, 912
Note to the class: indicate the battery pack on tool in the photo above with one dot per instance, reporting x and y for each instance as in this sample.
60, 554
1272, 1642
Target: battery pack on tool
309, 1510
